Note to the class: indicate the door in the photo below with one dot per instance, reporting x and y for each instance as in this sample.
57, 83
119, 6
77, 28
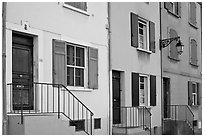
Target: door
166, 89
22, 72
116, 97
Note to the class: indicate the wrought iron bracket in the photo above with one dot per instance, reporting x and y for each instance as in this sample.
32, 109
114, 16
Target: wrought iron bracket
165, 42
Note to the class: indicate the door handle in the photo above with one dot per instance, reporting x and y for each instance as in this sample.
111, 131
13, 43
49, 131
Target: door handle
114, 99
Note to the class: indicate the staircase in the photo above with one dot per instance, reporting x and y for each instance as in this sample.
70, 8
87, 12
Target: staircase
134, 121
44, 108
179, 122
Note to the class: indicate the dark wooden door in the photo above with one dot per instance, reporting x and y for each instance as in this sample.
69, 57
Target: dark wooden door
166, 89
116, 97
22, 72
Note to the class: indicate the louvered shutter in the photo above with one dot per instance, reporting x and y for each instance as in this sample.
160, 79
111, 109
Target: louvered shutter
134, 30
59, 62
152, 90
93, 68
193, 57
135, 89
198, 93
152, 36
179, 9
173, 49
190, 90
167, 5
193, 13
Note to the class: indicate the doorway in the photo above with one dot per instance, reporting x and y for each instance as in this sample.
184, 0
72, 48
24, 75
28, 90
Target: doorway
22, 72
116, 97
167, 95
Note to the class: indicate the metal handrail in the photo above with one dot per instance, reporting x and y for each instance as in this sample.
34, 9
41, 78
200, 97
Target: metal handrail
54, 98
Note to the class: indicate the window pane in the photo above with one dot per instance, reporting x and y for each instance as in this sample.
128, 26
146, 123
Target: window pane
79, 77
70, 55
79, 57
70, 76
141, 79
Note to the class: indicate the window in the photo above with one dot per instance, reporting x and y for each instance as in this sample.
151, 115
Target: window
173, 7
78, 5
97, 123
72, 62
173, 53
193, 52
193, 93
143, 90
75, 66
192, 13
142, 34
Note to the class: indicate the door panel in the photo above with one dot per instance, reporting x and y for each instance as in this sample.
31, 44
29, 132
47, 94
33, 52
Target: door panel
116, 97
166, 89
22, 76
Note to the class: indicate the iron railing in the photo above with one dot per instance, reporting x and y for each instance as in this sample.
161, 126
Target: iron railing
181, 113
41, 98
134, 117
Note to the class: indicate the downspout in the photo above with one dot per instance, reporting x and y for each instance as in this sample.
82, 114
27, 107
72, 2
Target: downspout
161, 68
4, 119
109, 69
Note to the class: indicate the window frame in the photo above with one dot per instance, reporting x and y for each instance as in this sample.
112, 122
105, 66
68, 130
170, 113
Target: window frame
173, 7
85, 67
77, 9
194, 94
147, 97
146, 37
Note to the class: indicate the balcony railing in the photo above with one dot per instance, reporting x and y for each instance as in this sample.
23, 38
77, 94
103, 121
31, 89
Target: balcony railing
41, 98
134, 117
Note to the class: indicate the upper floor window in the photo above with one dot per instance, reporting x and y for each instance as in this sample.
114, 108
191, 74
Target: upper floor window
193, 52
78, 5
142, 34
192, 13
173, 53
173, 7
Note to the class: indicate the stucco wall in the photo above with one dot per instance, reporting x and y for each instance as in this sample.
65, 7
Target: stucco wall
128, 59
49, 21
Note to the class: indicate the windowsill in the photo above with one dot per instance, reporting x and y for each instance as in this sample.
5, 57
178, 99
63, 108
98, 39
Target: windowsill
194, 105
195, 65
143, 50
193, 25
80, 89
173, 58
76, 9
175, 15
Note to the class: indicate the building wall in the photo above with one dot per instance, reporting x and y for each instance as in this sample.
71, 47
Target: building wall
128, 59
51, 20
180, 72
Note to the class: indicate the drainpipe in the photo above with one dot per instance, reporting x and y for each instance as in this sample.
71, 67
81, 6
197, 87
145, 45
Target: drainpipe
109, 69
161, 67
4, 122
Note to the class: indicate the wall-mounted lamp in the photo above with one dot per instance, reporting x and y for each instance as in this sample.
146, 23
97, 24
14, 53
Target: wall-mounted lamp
179, 46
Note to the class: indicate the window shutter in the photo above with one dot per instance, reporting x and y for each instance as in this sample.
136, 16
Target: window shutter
152, 36
193, 13
190, 93
193, 52
93, 68
135, 89
198, 93
179, 9
173, 49
59, 62
152, 90
167, 5
134, 30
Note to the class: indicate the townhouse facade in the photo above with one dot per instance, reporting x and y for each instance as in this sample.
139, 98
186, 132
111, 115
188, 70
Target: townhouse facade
136, 67
77, 68
57, 68
182, 84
